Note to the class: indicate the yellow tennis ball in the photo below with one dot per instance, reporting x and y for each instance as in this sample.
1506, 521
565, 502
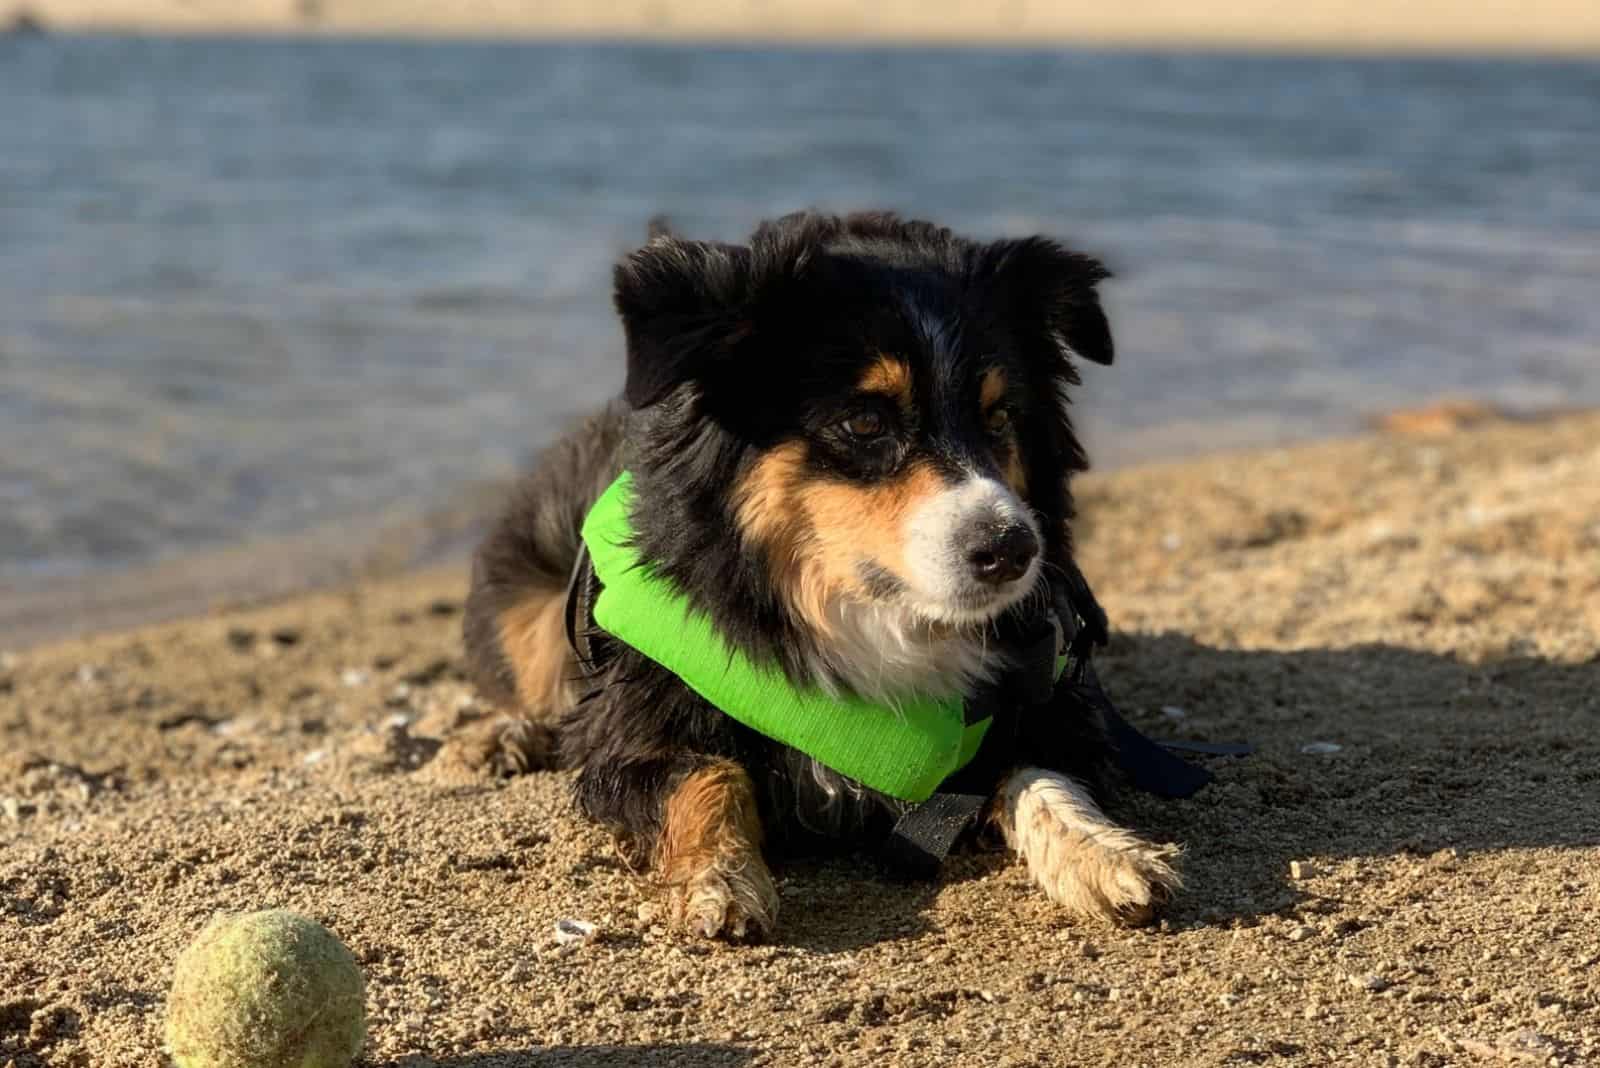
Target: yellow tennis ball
266, 990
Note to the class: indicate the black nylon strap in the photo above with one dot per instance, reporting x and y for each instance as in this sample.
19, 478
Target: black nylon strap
582, 589
577, 604
1207, 748
924, 836
1148, 765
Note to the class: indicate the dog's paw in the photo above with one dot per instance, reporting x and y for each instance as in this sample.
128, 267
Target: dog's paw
510, 745
736, 904
1082, 860
1113, 875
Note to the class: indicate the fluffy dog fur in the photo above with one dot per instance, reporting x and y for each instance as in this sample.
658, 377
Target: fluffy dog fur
851, 450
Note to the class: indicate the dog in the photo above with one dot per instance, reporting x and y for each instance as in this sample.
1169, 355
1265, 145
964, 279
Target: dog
850, 450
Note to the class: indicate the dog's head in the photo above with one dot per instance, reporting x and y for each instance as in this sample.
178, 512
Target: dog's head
851, 434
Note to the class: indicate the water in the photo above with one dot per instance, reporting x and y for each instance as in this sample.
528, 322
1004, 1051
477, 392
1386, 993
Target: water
253, 288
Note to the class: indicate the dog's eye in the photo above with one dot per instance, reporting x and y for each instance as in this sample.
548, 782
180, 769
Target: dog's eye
866, 425
999, 420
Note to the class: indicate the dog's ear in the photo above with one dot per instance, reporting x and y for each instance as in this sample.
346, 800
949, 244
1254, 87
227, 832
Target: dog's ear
680, 303
1054, 288
658, 226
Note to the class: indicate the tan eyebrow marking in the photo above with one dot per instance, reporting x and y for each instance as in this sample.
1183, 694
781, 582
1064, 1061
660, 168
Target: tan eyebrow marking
991, 387
890, 377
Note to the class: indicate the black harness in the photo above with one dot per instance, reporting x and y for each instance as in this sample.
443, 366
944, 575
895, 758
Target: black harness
1072, 622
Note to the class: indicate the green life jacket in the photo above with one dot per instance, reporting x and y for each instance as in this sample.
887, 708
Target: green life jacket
904, 751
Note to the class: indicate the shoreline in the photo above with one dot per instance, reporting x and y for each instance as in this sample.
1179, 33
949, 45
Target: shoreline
326, 557
439, 541
1552, 28
437, 544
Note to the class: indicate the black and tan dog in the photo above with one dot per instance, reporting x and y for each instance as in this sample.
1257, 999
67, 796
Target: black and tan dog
850, 449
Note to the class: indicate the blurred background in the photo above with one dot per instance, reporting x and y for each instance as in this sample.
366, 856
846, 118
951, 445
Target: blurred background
287, 295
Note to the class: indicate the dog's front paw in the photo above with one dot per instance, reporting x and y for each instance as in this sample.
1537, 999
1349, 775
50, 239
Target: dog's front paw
737, 904
709, 856
1111, 876
1082, 860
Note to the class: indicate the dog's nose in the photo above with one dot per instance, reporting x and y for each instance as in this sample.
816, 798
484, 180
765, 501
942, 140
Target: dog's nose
1002, 554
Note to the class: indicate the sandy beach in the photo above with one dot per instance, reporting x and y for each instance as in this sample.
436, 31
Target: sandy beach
1407, 872
1537, 26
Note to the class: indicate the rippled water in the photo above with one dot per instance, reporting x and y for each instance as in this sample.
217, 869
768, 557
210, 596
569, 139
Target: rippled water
252, 287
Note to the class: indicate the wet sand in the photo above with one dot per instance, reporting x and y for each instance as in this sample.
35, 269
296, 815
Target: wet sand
1550, 26
1407, 625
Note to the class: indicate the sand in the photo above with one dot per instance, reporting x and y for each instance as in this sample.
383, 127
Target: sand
1538, 26
1407, 872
